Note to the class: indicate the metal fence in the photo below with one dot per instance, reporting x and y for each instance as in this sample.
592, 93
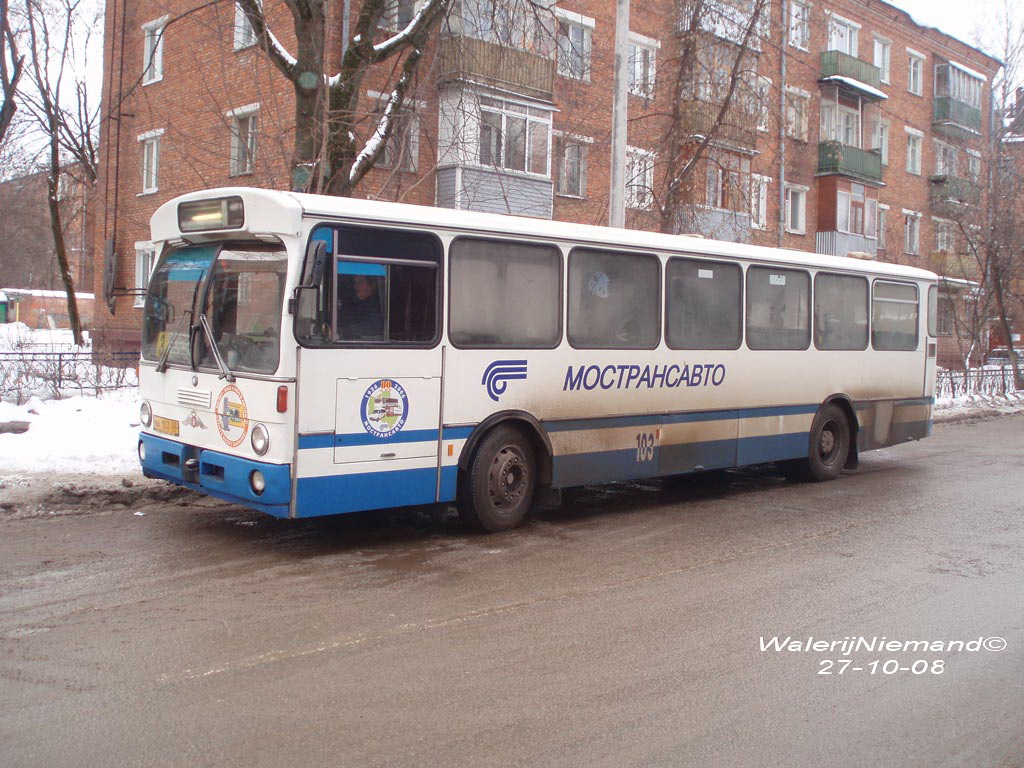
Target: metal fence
980, 381
58, 373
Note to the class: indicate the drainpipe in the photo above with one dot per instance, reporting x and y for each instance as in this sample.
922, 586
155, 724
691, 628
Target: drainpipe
782, 121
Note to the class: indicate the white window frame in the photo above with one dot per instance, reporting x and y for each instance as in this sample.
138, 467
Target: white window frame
911, 232
880, 139
145, 261
642, 83
805, 99
236, 165
799, 27
884, 45
974, 165
915, 138
389, 19
801, 191
945, 235
583, 142
764, 105
949, 166
244, 34
639, 196
566, 21
150, 165
883, 214
759, 201
153, 50
411, 110
912, 57
835, 22
508, 108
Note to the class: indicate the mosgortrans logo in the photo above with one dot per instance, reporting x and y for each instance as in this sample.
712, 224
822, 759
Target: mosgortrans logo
589, 377
385, 408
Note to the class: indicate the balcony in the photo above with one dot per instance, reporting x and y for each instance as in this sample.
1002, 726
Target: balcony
513, 69
738, 128
949, 190
839, 64
955, 118
837, 158
845, 244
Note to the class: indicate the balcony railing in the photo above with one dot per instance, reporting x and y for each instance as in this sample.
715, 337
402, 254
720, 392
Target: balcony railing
844, 65
951, 189
502, 66
738, 127
834, 157
955, 118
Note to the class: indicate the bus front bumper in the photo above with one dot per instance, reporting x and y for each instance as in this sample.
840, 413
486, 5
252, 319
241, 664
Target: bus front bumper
217, 474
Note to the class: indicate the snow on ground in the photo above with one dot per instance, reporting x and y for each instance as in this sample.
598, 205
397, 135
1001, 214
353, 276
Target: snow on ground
98, 436
77, 435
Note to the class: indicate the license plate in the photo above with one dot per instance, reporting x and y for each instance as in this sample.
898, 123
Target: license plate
165, 426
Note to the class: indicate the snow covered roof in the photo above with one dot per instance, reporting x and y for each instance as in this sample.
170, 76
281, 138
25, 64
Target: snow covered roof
856, 85
45, 294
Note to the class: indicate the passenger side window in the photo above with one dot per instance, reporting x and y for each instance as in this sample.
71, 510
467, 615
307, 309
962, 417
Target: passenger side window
505, 294
702, 304
380, 288
840, 312
894, 316
614, 300
778, 308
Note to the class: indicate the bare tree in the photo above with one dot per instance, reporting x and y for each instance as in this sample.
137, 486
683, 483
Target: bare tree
12, 65
327, 156
56, 29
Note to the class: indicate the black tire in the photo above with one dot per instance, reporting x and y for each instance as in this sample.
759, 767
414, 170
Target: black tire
496, 490
829, 444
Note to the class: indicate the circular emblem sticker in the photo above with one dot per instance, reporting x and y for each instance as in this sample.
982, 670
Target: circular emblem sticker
385, 408
232, 416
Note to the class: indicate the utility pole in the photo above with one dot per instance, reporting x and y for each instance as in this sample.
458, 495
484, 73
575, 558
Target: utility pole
620, 104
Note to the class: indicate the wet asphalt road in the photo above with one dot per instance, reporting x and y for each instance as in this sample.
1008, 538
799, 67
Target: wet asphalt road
622, 630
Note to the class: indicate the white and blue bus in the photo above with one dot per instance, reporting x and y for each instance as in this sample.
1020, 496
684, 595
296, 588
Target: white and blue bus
306, 355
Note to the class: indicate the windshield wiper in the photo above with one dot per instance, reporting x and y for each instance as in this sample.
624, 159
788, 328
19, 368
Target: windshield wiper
161, 366
225, 372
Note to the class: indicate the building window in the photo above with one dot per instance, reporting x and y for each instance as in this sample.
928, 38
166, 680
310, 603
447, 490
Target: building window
883, 55
572, 166
945, 235
842, 35
245, 35
403, 148
797, 108
727, 182
511, 23
945, 159
796, 209
574, 34
153, 51
953, 81
883, 215
150, 142
759, 201
763, 106
911, 232
880, 143
915, 72
973, 165
244, 121
145, 260
856, 213
914, 141
398, 14
514, 136
800, 24
642, 53
639, 178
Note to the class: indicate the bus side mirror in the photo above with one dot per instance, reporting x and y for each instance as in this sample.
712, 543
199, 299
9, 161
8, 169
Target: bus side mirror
317, 253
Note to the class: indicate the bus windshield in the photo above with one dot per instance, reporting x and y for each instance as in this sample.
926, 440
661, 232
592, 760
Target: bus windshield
238, 289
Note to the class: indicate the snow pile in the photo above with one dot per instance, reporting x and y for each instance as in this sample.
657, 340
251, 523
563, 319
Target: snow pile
17, 336
79, 435
949, 409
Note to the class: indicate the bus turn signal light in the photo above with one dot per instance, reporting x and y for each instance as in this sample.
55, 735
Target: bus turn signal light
282, 399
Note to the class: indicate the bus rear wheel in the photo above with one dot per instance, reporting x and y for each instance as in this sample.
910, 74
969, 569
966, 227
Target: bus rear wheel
829, 444
496, 490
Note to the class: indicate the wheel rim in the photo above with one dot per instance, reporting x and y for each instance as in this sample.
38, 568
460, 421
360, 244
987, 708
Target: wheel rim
508, 478
828, 442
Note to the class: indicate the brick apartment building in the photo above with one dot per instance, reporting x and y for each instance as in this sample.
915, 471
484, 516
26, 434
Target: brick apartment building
850, 130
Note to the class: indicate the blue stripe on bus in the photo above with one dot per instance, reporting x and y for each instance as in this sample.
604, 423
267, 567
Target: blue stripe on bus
405, 436
340, 494
918, 401
655, 419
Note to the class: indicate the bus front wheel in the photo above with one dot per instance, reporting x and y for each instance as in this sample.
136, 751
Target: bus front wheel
496, 490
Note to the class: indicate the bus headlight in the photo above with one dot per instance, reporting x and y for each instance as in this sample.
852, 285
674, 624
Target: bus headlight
146, 413
257, 482
142, 452
260, 439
